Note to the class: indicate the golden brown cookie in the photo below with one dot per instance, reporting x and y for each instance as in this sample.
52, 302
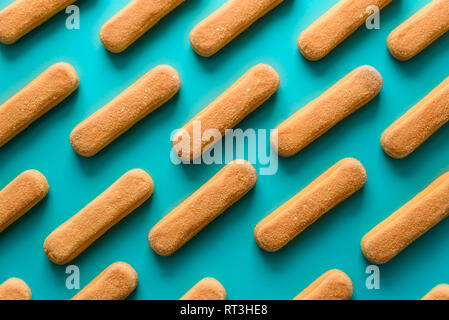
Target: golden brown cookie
37, 98
335, 185
80, 231
201, 208
348, 95
416, 217
22, 16
116, 282
20, 195
419, 31
118, 116
228, 110
206, 289
440, 292
411, 130
128, 25
226, 23
14, 289
332, 285
332, 28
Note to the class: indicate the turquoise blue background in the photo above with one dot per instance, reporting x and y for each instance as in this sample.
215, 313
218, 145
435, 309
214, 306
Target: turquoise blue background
226, 249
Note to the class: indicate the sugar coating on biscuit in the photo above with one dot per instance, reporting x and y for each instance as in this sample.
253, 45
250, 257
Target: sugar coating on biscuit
14, 289
418, 124
36, 99
335, 185
143, 97
420, 30
128, 25
80, 231
20, 195
227, 111
22, 16
416, 217
345, 97
206, 289
226, 23
224, 189
440, 292
332, 285
116, 282
332, 28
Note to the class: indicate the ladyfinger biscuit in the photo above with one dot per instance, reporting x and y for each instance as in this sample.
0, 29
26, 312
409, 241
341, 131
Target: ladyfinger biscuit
80, 231
332, 28
14, 289
132, 105
419, 31
319, 116
407, 224
417, 125
226, 23
332, 285
228, 110
116, 282
22, 16
206, 289
37, 98
133, 21
335, 185
20, 195
440, 292
205, 205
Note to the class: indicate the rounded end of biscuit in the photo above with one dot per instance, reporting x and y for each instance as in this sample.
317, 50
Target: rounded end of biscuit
246, 169
391, 147
67, 72
307, 49
110, 41
440, 292
78, 144
396, 49
281, 145
371, 254
126, 275
206, 289
344, 287
39, 180
142, 176
158, 245
373, 76
357, 169
53, 255
15, 289
264, 240
173, 76
269, 73
201, 44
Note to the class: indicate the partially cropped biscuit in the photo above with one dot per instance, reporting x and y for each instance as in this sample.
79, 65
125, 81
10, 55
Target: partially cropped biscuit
128, 25
116, 282
332, 285
333, 27
37, 98
440, 292
206, 289
14, 289
20, 195
420, 30
22, 16
225, 24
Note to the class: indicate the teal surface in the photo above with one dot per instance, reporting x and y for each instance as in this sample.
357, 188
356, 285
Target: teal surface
226, 249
